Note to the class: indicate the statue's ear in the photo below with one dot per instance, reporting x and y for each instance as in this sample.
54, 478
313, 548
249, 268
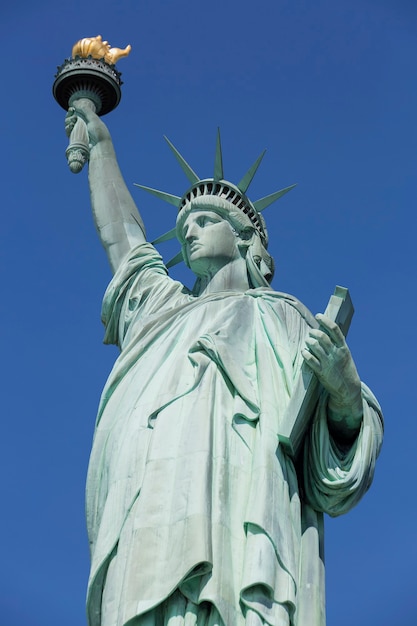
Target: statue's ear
247, 237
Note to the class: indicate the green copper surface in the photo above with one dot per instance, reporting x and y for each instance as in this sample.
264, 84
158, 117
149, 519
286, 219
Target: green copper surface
197, 511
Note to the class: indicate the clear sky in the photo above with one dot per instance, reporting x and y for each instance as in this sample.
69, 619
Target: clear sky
329, 87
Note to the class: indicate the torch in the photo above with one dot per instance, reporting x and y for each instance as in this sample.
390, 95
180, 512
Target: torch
90, 76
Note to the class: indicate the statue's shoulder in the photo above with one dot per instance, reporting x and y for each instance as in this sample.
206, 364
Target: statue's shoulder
287, 301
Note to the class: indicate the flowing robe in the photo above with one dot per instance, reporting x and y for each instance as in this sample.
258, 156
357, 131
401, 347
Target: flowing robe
188, 487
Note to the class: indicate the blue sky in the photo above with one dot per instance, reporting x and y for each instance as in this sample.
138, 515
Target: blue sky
330, 89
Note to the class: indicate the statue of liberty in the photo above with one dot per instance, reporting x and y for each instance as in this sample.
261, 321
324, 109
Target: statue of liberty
197, 515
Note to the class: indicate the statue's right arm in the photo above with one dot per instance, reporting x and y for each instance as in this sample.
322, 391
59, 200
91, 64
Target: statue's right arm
116, 216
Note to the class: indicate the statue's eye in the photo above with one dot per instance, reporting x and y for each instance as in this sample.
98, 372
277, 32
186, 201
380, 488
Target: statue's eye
203, 220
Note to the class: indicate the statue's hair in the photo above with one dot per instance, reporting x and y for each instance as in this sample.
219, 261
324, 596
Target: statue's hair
259, 263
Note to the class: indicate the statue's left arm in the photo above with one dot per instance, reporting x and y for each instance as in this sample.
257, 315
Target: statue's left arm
345, 436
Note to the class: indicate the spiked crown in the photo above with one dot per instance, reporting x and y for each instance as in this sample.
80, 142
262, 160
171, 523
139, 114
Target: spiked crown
221, 188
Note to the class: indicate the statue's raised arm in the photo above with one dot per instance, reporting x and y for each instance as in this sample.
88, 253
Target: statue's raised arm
116, 216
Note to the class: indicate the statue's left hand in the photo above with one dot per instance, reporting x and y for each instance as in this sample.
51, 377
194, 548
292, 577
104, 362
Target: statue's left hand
329, 357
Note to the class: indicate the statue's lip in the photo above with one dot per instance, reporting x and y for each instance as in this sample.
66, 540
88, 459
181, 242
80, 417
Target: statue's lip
194, 245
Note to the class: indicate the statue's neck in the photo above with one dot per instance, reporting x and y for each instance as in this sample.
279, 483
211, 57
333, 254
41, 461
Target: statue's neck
230, 277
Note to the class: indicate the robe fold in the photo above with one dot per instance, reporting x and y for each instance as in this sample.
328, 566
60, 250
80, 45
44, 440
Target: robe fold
188, 487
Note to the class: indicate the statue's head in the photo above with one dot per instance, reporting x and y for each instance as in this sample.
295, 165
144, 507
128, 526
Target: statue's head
229, 202
206, 204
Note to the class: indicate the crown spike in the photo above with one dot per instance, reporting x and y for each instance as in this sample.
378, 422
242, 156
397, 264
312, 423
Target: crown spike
262, 203
248, 177
189, 172
167, 197
218, 162
171, 234
175, 260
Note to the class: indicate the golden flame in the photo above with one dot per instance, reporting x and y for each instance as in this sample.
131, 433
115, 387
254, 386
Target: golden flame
99, 49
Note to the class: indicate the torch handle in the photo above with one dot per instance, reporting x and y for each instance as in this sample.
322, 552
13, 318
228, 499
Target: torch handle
78, 151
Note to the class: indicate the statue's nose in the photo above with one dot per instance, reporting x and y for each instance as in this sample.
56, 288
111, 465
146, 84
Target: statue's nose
191, 233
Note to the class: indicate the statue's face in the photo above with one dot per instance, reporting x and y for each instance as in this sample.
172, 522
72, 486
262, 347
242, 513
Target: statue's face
210, 242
